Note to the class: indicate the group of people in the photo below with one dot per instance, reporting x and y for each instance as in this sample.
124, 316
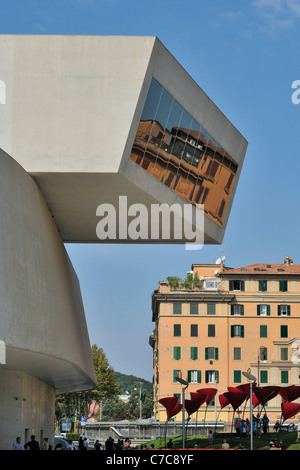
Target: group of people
259, 425
34, 445
120, 444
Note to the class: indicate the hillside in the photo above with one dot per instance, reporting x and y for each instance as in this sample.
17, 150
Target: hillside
129, 382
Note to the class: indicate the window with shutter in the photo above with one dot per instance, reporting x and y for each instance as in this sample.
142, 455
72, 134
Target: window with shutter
177, 309
177, 353
177, 330
283, 286
211, 309
262, 285
194, 353
194, 309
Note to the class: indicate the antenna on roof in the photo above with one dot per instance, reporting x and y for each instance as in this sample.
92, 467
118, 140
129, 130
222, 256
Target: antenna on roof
216, 271
218, 261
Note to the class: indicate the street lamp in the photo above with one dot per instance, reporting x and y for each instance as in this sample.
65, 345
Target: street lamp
186, 384
252, 380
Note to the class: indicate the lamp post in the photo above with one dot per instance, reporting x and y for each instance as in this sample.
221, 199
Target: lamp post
186, 384
252, 380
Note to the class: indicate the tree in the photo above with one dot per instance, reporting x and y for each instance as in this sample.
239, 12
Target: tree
108, 387
77, 403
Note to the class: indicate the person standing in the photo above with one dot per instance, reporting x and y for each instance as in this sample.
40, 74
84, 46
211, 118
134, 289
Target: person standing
32, 444
265, 424
17, 445
45, 445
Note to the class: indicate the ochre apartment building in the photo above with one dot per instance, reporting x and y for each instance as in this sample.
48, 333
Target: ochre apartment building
228, 322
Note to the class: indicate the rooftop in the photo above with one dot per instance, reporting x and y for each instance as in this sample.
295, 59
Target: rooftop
286, 268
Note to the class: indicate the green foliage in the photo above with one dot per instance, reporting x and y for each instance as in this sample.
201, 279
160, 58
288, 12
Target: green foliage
111, 384
262, 443
190, 282
107, 385
74, 436
128, 383
77, 403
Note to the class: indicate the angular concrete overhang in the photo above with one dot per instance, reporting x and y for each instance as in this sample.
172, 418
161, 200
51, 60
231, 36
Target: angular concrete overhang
70, 111
42, 321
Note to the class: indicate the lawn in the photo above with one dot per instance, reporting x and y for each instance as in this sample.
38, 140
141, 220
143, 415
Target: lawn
290, 439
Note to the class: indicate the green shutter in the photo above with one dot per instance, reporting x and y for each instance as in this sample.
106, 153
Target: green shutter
194, 353
176, 373
216, 354
217, 376
177, 309
189, 376
193, 309
268, 310
242, 309
242, 331
211, 309
230, 285
206, 353
288, 310
199, 376
263, 376
284, 377
262, 285
232, 331
283, 286
177, 353
278, 310
206, 376
242, 285
231, 309
258, 310
263, 331
237, 377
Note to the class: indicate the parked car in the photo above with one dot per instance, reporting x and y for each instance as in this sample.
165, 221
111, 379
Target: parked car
61, 440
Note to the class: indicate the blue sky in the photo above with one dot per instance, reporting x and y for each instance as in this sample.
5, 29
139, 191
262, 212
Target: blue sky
245, 56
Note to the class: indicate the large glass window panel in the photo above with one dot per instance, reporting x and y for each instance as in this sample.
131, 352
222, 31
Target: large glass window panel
176, 149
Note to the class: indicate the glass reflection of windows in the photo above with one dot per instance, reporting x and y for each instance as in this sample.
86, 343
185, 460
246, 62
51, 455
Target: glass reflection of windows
174, 148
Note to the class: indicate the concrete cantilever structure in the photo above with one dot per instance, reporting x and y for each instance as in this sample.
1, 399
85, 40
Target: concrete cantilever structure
42, 322
83, 121
92, 118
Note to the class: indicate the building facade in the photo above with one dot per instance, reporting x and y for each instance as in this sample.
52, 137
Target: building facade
229, 322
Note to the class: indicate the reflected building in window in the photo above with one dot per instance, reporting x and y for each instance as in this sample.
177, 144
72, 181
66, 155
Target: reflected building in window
174, 148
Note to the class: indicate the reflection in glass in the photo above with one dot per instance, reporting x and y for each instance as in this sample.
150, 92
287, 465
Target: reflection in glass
176, 149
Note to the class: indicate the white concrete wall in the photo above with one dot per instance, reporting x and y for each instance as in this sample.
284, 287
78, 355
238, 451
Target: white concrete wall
70, 100
42, 319
27, 406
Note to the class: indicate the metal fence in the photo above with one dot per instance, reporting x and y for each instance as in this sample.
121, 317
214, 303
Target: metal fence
145, 431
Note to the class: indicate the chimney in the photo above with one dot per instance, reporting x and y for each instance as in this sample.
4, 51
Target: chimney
288, 261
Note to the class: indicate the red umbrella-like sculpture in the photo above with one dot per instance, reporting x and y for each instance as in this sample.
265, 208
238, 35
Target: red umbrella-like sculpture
235, 398
290, 393
223, 402
265, 394
245, 388
289, 409
198, 398
191, 406
169, 403
210, 394
172, 408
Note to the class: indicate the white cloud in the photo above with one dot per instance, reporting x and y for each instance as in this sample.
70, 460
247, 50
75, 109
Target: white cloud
277, 14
